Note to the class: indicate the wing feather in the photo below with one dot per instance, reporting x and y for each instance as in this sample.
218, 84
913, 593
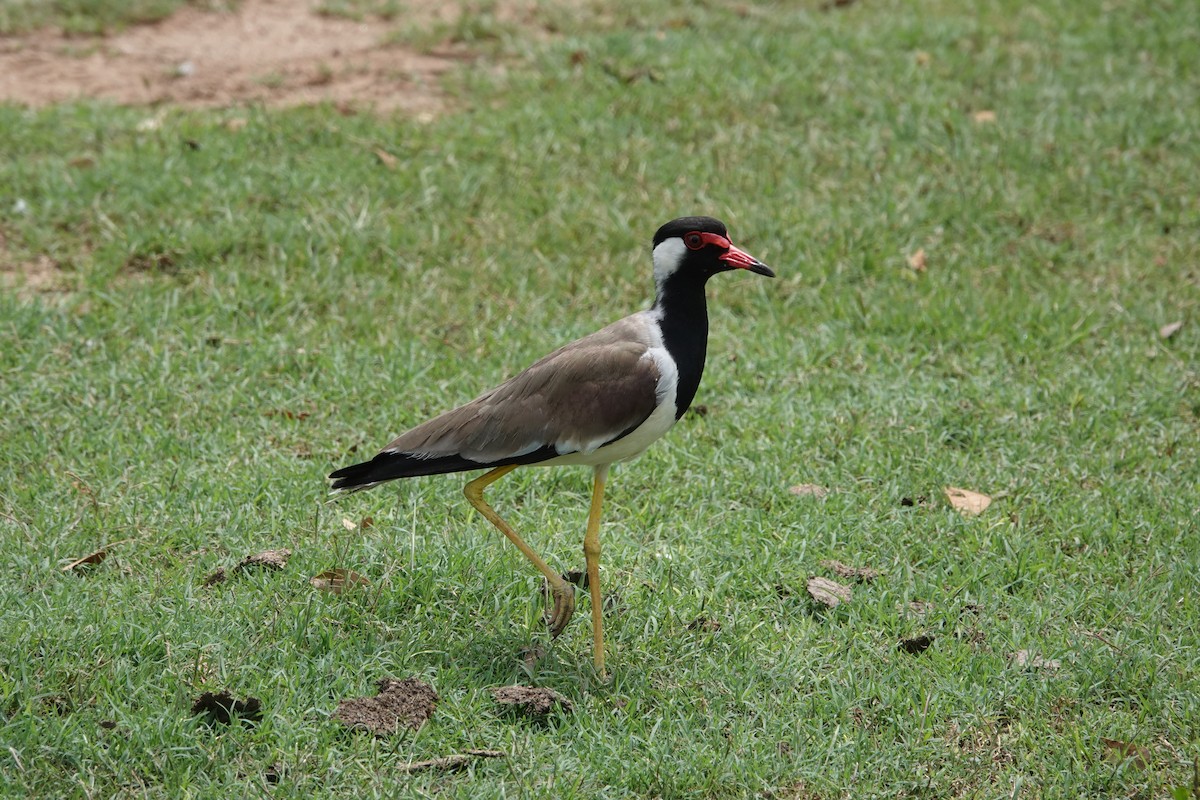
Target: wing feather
580, 397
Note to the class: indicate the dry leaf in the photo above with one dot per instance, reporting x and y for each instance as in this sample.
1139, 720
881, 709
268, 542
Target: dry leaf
827, 592
409, 702
917, 260
90, 560
366, 522
273, 559
1170, 329
387, 159
923, 58
808, 490
967, 501
288, 414
863, 574
1119, 751
453, 762
338, 580
984, 117
348, 524
531, 700
1027, 658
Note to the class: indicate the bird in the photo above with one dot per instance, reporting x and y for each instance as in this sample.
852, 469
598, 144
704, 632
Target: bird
596, 401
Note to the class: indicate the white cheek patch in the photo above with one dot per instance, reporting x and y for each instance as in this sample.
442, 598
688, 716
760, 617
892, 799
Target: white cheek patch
667, 258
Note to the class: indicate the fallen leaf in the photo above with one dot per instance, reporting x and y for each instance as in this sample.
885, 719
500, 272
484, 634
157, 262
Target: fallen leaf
217, 341
1027, 658
827, 592
90, 560
1119, 751
1170, 329
808, 490
287, 413
967, 501
221, 707
923, 58
984, 117
916, 644
452, 762
387, 159
272, 559
82, 162
862, 574
366, 522
531, 700
338, 580
917, 260
348, 524
409, 702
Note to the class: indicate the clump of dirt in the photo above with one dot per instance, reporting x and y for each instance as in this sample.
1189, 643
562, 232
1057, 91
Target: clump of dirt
275, 52
531, 700
706, 624
409, 702
221, 708
915, 645
860, 574
217, 577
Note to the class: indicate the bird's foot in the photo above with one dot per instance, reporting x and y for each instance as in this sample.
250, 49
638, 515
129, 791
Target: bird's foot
564, 607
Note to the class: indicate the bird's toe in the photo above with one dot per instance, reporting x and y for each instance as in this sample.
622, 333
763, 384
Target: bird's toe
564, 606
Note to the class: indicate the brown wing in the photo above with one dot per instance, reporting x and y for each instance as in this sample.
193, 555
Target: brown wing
579, 397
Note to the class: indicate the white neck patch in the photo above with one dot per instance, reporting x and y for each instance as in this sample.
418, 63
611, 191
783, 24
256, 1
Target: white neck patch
668, 257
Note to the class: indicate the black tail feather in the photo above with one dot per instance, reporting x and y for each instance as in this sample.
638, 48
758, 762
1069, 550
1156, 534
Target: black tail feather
390, 466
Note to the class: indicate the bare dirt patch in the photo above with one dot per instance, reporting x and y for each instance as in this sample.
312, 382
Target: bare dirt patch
275, 52
409, 702
41, 275
531, 700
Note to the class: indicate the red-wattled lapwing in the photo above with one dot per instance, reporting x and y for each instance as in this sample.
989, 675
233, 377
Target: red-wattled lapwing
598, 400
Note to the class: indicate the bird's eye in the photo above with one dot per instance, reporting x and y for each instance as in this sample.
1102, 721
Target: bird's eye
694, 241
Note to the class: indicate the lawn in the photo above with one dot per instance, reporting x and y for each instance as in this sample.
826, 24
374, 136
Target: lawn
985, 219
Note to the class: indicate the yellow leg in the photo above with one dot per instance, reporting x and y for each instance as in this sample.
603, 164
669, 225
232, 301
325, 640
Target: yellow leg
563, 592
591, 553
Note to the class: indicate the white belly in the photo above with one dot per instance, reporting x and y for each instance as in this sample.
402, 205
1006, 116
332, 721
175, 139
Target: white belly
636, 441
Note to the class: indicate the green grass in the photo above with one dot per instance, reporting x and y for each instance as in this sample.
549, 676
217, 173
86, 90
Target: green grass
209, 287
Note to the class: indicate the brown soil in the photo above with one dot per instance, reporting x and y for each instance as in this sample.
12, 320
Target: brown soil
274, 52
408, 702
531, 700
221, 708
